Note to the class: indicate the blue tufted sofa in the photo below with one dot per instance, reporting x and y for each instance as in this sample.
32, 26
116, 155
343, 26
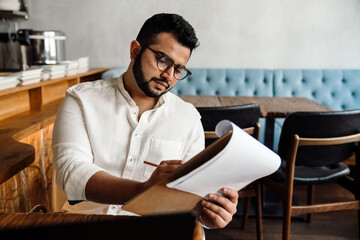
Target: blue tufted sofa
338, 89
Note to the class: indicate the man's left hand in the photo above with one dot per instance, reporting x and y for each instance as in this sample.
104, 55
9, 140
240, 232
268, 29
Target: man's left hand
219, 214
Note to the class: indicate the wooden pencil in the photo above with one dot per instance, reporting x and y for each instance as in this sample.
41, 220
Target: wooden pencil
151, 164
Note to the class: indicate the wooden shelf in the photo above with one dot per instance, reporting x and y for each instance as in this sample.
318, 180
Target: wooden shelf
33, 96
27, 109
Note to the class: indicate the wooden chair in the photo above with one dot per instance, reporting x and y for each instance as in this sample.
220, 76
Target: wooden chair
313, 146
246, 117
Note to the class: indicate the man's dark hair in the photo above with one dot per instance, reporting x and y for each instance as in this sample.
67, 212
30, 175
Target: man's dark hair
175, 24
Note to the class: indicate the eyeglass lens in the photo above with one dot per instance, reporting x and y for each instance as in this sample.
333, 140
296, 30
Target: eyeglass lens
165, 63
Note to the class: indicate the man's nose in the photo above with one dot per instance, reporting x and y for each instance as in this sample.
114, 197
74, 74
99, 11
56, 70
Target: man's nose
168, 74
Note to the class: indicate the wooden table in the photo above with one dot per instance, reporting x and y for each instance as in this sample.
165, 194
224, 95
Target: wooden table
270, 107
79, 226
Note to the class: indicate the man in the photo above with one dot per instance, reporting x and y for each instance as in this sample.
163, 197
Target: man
105, 130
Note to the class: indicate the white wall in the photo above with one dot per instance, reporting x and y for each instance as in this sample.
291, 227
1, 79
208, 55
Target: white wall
232, 33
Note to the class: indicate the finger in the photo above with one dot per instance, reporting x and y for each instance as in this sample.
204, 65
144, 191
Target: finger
224, 202
172, 162
218, 210
167, 168
215, 217
232, 194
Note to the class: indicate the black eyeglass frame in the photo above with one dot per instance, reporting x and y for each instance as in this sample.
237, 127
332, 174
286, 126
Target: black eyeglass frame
163, 55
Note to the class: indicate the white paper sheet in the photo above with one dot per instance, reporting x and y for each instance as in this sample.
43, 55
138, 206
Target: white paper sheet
243, 160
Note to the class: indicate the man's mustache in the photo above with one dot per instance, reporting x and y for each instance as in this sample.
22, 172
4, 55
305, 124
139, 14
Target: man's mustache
161, 80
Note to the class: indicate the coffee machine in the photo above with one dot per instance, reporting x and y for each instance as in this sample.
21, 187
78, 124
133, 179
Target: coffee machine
15, 53
12, 12
26, 47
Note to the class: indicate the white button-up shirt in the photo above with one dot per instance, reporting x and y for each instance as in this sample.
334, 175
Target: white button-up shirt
97, 128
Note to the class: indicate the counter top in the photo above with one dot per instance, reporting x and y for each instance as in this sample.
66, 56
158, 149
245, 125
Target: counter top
79, 226
27, 109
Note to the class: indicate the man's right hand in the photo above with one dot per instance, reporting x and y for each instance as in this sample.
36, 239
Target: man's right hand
103, 187
163, 170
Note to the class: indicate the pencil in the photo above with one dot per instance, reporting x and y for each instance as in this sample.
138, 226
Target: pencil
151, 164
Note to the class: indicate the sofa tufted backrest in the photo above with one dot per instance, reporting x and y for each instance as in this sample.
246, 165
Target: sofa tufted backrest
226, 82
337, 89
219, 81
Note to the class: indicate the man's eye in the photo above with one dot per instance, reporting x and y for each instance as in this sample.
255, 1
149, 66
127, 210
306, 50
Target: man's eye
162, 60
178, 70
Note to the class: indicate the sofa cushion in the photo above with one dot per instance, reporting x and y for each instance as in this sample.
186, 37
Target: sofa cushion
226, 82
337, 89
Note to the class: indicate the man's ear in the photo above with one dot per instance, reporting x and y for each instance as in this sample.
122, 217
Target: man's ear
135, 48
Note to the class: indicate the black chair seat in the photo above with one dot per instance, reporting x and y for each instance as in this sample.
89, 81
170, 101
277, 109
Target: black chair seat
314, 175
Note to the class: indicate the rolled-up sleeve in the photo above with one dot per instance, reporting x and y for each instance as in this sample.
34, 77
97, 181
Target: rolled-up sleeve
72, 154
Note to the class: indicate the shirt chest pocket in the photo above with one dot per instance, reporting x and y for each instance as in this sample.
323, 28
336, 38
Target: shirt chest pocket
162, 150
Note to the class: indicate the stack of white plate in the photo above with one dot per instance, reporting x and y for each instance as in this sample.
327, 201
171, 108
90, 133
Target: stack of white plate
44, 75
83, 64
54, 71
9, 81
72, 67
29, 76
10, 5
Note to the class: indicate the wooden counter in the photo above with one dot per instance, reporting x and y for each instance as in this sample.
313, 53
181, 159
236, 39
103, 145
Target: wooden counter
78, 226
27, 109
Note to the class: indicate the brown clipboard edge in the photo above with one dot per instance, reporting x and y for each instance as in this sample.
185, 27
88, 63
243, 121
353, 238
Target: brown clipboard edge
160, 199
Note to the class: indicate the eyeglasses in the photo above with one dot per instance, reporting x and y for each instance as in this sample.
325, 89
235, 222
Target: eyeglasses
164, 63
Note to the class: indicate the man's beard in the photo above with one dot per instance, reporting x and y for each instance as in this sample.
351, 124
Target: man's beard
143, 84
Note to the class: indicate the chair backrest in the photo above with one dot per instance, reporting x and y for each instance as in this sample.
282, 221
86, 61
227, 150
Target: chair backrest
320, 125
244, 116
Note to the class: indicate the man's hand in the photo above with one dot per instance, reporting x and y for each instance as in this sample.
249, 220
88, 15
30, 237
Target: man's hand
219, 214
164, 169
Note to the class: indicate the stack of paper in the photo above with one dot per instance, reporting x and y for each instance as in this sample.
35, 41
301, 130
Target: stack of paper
44, 75
83, 64
72, 67
29, 76
9, 81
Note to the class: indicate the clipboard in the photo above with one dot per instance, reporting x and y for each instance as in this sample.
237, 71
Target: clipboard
160, 199
234, 160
